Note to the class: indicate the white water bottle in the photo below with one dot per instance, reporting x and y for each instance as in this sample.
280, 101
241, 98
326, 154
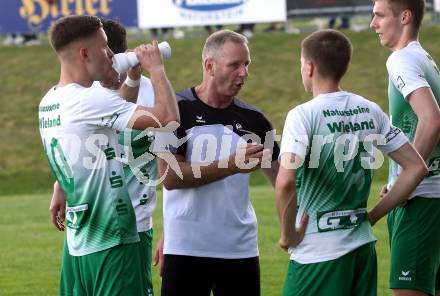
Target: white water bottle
123, 61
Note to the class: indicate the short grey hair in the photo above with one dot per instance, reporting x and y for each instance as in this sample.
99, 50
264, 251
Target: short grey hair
214, 43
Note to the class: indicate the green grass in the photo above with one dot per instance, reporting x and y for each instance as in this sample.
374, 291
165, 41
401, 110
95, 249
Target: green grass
274, 86
30, 250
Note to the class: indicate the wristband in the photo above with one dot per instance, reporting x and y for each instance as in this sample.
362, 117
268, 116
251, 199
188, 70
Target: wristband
132, 83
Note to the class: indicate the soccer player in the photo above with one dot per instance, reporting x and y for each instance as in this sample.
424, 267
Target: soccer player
414, 94
140, 168
78, 125
140, 173
210, 227
335, 136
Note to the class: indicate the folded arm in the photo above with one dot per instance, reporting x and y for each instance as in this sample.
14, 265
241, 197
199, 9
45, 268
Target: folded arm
413, 171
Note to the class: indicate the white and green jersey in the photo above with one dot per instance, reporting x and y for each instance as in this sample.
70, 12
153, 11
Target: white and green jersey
78, 129
336, 135
409, 69
139, 164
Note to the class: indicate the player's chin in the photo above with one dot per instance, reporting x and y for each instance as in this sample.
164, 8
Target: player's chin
233, 93
384, 43
111, 76
236, 88
382, 40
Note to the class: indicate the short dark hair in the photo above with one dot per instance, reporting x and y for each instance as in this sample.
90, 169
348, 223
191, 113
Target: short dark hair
71, 28
330, 50
417, 8
116, 35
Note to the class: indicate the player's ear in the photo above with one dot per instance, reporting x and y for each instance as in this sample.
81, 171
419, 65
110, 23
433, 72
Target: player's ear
209, 66
83, 53
406, 17
310, 68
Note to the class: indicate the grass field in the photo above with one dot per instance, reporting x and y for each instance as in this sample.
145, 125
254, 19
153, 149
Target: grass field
31, 247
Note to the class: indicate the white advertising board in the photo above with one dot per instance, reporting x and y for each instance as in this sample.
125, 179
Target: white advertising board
437, 5
181, 13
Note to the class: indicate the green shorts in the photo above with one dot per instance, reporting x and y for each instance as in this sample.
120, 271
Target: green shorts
352, 274
72, 267
414, 232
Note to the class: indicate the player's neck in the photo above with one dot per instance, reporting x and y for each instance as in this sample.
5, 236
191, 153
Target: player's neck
211, 97
74, 72
325, 87
71, 74
405, 39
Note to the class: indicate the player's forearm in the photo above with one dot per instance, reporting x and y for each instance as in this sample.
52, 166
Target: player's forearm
405, 184
130, 88
427, 136
130, 94
289, 222
286, 206
56, 186
193, 175
271, 173
58, 194
281, 195
57, 207
165, 108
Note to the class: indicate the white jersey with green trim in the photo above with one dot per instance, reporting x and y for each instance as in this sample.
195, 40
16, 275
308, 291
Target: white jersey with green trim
78, 129
139, 164
338, 136
409, 69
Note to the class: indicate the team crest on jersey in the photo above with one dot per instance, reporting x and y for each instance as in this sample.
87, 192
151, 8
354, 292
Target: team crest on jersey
400, 83
75, 215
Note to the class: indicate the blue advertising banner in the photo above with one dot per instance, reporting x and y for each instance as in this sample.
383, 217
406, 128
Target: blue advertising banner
21, 16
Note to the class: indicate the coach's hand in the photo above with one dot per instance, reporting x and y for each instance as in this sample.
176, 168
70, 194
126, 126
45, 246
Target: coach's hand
158, 256
57, 208
248, 157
